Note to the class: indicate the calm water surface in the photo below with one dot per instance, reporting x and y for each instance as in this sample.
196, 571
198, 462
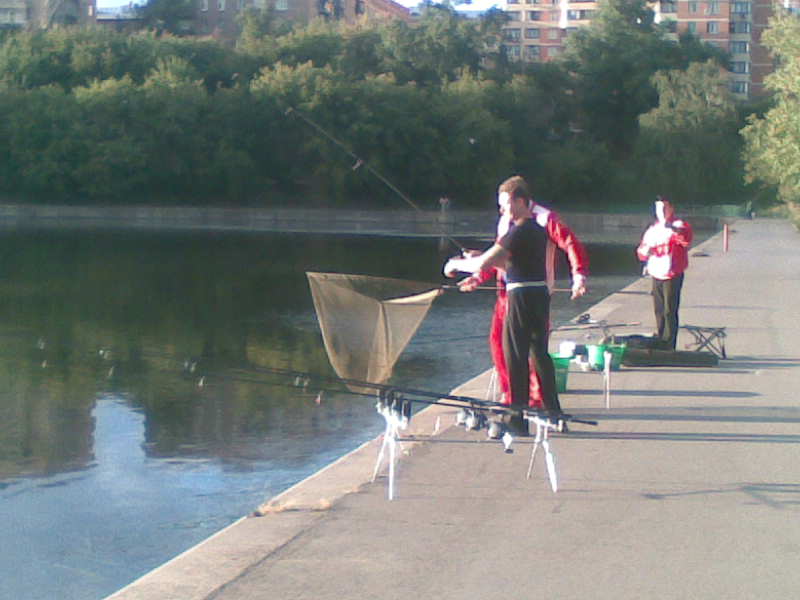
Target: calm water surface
112, 460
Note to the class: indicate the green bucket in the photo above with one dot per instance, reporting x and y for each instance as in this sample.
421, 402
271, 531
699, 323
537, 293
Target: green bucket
561, 364
597, 359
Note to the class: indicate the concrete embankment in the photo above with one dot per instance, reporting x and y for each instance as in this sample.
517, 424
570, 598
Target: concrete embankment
462, 223
687, 488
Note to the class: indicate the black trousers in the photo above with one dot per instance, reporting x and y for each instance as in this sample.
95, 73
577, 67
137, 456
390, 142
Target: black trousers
666, 302
525, 337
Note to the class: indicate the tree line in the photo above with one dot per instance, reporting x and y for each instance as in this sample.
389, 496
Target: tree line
289, 115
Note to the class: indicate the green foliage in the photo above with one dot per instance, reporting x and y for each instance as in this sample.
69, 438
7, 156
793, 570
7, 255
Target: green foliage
772, 151
438, 48
613, 60
435, 109
689, 144
168, 16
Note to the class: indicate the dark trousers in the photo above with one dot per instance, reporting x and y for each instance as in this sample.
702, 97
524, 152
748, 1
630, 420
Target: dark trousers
525, 337
666, 302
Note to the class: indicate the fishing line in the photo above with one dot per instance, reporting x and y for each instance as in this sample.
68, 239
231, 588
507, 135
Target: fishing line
360, 162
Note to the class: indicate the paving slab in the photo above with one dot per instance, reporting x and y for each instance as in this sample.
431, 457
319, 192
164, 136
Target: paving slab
687, 488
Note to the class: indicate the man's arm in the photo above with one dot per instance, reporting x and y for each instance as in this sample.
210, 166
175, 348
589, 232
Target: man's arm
494, 257
682, 232
576, 253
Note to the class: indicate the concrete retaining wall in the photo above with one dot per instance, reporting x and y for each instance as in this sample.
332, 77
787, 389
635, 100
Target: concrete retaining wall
471, 223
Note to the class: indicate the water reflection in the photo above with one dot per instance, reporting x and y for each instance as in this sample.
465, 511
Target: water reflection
113, 460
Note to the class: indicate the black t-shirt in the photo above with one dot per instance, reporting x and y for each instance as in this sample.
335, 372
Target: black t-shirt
527, 244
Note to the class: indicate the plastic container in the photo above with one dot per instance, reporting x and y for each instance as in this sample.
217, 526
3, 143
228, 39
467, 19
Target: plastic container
561, 364
596, 355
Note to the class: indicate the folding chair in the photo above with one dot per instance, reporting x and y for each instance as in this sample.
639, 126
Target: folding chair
707, 338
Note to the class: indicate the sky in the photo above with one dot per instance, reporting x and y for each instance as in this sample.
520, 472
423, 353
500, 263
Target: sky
111, 3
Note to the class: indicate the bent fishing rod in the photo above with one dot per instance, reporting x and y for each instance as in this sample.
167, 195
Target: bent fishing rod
360, 162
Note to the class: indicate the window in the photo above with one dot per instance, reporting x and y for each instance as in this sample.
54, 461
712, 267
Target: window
512, 1
740, 47
532, 34
512, 35
220, 4
513, 52
669, 7
741, 8
203, 4
692, 7
534, 15
740, 27
579, 15
713, 8
740, 66
281, 4
554, 51
712, 27
691, 27
513, 15
740, 87
553, 34
532, 52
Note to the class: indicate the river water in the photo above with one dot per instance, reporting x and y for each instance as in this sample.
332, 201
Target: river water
113, 460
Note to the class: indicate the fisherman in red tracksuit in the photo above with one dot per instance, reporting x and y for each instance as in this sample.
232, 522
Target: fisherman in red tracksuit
559, 235
665, 248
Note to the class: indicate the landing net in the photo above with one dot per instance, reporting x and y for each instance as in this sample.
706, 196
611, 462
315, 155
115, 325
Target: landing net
366, 322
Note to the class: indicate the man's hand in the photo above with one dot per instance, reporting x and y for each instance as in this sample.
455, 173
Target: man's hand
578, 286
468, 284
451, 269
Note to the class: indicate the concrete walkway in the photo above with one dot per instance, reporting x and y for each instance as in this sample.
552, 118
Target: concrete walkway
688, 488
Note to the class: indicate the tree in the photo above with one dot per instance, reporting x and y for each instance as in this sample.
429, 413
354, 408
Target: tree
612, 61
689, 145
170, 16
772, 151
439, 47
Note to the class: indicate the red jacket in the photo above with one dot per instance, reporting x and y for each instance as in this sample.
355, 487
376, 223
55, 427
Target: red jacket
665, 247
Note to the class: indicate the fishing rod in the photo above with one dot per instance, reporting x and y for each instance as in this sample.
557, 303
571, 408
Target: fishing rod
599, 325
497, 287
386, 392
360, 162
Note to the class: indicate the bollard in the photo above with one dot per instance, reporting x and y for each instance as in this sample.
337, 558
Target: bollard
725, 237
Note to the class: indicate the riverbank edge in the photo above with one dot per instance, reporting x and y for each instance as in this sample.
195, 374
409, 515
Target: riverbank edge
200, 571
463, 223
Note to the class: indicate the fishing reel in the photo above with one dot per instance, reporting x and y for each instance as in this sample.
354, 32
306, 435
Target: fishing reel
392, 405
471, 419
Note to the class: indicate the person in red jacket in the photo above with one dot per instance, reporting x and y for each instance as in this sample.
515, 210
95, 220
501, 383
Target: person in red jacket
557, 235
560, 236
665, 249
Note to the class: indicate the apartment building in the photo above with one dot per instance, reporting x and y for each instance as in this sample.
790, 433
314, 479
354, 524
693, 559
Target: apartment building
538, 28
220, 17
13, 13
46, 13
